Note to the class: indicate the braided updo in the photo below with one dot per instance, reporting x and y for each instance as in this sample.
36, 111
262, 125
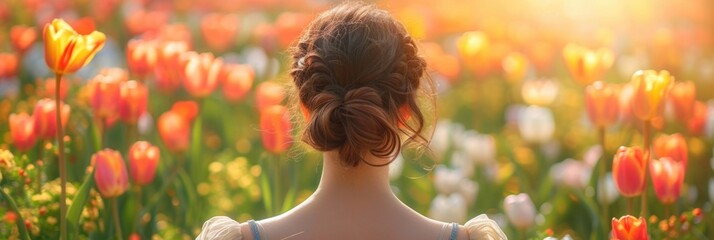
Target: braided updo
357, 72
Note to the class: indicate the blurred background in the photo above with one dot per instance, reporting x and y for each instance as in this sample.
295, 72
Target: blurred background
519, 126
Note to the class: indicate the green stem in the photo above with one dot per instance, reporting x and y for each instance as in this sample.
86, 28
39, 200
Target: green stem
603, 170
20, 222
629, 205
117, 224
646, 133
278, 184
60, 157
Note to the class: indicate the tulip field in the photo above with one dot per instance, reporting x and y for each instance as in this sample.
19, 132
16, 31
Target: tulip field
559, 119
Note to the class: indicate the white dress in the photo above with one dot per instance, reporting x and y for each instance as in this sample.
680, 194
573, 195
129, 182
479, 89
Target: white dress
225, 228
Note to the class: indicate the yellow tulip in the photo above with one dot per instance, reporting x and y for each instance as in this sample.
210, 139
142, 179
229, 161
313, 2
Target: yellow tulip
650, 89
587, 66
66, 51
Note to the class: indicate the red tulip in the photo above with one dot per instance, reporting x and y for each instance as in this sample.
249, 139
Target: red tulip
174, 130
187, 109
44, 117
169, 68
275, 129
268, 94
672, 146
202, 74
110, 173
699, 118
104, 97
602, 103
628, 170
238, 81
143, 159
219, 31
629, 228
8, 65
667, 179
141, 56
682, 96
133, 98
22, 37
22, 130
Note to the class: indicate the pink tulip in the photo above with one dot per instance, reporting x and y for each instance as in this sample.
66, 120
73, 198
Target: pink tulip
110, 173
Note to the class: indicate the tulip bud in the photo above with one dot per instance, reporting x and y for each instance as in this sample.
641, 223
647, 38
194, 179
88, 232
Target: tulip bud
22, 130
667, 179
110, 173
539, 92
480, 148
143, 159
104, 97
536, 124
602, 104
66, 51
174, 130
650, 89
133, 98
673, 146
446, 181
448, 208
22, 37
141, 56
45, 118
628, 170
520, 210
202, 74
275, 129
219, 31
587, 66
268, 94
169, 67
238, 81
629, 228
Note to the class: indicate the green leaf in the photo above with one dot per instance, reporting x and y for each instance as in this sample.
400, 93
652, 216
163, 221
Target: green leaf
20, 222
265, 191
289, 200
75, 210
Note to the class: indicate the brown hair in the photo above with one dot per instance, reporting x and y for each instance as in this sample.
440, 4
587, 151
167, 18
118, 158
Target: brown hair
357, 72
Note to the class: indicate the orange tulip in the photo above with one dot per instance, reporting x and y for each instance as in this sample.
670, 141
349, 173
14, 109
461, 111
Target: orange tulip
187, 109
174, 130
110, 173
22, 37
289, 26
219, 31
238, 81
672, 146
202, 74
268, 94
22, 130
133, 98
8, 65
275, 129
175, 33
141, 56
629, 228
66, 51
650, 89
44, 116
667, 179
169, 67
698, 121
104, 97
140, 21
445, 64
587, 66
474, 50
143, 159
628, 170
515, 66
602, 102
682, 96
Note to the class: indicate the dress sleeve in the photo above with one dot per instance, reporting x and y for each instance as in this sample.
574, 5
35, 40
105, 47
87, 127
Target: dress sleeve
482, 227
220, 228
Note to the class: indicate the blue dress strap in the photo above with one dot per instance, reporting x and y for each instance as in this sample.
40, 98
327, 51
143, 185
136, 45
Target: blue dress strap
454, 231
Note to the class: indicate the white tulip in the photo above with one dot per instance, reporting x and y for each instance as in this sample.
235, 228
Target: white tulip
469, 190
571, 173
461, 162
541, 92
606, 190
536, 124
447, 180
451, 208
440, 140
520, 210
481, 148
